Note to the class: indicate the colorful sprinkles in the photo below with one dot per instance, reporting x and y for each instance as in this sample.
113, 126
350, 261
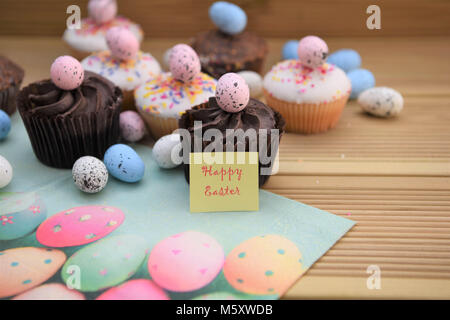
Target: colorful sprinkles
90, 27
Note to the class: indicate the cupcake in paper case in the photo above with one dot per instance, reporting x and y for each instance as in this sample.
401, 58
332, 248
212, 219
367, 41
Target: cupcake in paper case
11, 76
91, 36
309, 93
73, 114
162, 100
124, 64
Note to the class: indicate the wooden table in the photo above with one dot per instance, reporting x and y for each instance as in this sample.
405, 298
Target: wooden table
392, 176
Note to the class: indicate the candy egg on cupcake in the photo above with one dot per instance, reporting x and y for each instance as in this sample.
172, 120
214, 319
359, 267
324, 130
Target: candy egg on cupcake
162, 100
90, 37
308, 92
231, 108
124, 63
73, 114
229, 48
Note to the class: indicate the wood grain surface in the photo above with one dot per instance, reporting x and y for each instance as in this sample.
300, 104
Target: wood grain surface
392, 176
269, 18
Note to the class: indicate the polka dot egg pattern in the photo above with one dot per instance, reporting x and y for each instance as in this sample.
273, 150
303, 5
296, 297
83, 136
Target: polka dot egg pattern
132, 127
264, 265
67, 73
186, 261
138, 289
312, 51
79, 226
51, 291
90, 174
27, 267
184, 63
232, 92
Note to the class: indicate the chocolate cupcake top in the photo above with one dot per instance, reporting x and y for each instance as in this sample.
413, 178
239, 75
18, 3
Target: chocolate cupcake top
95, 94
10, 73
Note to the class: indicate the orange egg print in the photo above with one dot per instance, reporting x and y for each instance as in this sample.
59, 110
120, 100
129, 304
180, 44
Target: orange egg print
264, 265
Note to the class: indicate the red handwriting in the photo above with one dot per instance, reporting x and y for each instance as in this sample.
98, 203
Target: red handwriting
222, 172
227, 191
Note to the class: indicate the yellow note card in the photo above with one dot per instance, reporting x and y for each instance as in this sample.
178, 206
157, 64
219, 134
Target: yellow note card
224, 181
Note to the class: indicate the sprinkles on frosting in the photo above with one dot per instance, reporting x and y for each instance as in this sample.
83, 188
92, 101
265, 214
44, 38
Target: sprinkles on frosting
90, 27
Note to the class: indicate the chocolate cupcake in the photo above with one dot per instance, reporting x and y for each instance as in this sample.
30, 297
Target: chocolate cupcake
253, 115
229, 48
11, 76
66, 124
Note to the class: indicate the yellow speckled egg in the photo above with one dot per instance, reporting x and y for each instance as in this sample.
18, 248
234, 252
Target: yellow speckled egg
27, 267
267, 264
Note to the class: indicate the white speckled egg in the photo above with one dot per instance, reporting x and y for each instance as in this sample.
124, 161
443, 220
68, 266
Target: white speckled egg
132, 127
254, 82
166, 58
89, 174
164, 148
6, 172
381, 102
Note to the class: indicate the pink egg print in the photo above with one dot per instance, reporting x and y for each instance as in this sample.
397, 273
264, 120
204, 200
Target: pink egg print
78, 226
138, 289
186, 261
132, 127
67, 73
232, 92
184, 63
312, 51
102, 10
51, 291
122, 43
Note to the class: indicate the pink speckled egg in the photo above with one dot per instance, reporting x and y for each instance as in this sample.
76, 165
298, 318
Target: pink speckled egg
67, 73
102, 10
186, 261
132, 127
232, 92
122, 43
24, 268
264, 265
312, 51
78, 226
51, 291
139, 289
184, 63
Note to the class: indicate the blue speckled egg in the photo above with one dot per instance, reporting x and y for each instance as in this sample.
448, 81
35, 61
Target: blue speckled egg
124, 163
5, 124
290, 50
361, 79
228, 17
346, 59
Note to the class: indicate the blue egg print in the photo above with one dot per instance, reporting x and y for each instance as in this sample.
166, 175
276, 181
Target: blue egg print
361, 80
5, 124
290, 50
346, 59
124, 163
228, 17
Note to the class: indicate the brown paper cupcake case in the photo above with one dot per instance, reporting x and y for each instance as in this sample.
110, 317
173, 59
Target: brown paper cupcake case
308, 118
159, 126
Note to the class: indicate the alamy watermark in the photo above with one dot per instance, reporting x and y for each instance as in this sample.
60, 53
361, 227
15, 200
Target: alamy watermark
73, 22
374, 20
373, 282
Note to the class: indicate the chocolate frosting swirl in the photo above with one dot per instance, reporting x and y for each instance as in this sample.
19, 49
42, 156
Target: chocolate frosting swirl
10, 73
95, 94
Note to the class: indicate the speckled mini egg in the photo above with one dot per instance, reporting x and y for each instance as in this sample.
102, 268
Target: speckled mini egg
122, 42
89, 174
290, 50
228, 17
132, 127
381, 102
361, 80
166, 59
5, 125
186, 261
346, 59
27, 267
67, 73
6, 172
138, 289
79, 226
312, 51
254, 82
124, 163
51, 291
184, 63
20, 214
102, 10
264, 265
105, 263
232, 92
165, 150
223, 295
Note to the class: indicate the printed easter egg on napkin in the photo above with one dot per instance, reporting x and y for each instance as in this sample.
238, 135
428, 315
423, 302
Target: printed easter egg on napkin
20, 214
105, 263
27, 267
50, 291
138, 289
78, 226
